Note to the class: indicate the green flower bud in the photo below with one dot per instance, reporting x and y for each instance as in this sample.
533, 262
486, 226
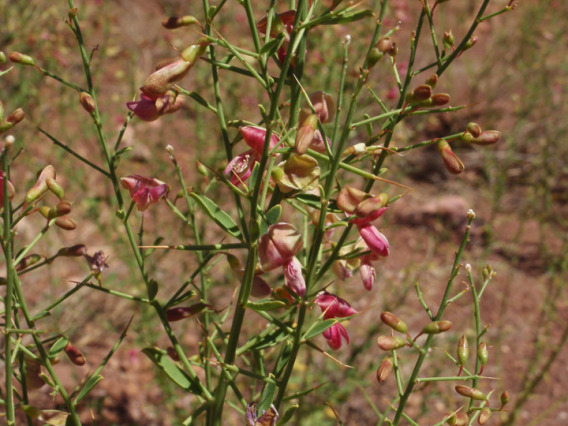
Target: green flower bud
20, 58
482, 355
174, 22
389, 343
470, 392
394, 322
55, 188
463, 350
437, 327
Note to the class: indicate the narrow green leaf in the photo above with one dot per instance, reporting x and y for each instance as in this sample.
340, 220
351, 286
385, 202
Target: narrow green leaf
152, 290
319, 328
288, 414
267, 395
167, 366
57, 347
266, 305
219, 216
88, 387
272, 46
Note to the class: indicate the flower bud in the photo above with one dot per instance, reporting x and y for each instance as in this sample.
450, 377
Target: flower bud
305, 134
462, 419
384, 369
437, 327
73, 251
174, 22
463, 352
440, 99
419, 94
324, 107
201, 169
28, 261
11, 190
17, 116
482, 355
87, 102
349, 198
54, 187
432, 81
20, 58
384, 44
372, 206
487, 137
2, 61
62, 208
448, 40
470, 392
74, 354
176, 314
504, 398
453, 164
389, 343
484, 416
65, 223
1, 110
373, 57
474, 129
394, 322
451, 419
470, 43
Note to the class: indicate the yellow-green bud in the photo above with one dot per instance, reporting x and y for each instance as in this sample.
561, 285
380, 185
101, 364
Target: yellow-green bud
470, 392
389, 343
22, 59
437, 327
394, 322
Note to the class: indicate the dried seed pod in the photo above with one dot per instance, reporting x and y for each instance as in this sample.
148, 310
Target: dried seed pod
28, 261
33, 374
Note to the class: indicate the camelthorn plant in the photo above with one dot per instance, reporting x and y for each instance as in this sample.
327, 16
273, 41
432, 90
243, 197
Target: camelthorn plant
297, 194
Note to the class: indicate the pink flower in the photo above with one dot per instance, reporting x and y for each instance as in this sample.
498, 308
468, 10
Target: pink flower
144, 190
149, 109
334, 307
278, 246
240, 167
375, 240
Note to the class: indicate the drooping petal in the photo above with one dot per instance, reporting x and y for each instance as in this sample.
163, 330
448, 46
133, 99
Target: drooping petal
145, 108
333, 306
367, 272
294, 278
254, 137
333, 336
144, 190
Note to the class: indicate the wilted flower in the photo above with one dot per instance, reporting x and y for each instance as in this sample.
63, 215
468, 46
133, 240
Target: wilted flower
297, 173
144, 190
278, 246
293, 277
324, 107
240, 167
267, 418
97, 264
149, 109
282, 23
160, 81
334, 307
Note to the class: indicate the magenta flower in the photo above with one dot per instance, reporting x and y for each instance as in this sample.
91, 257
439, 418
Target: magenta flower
367, 273
144, 190
149, 109
240, 167
334, 307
